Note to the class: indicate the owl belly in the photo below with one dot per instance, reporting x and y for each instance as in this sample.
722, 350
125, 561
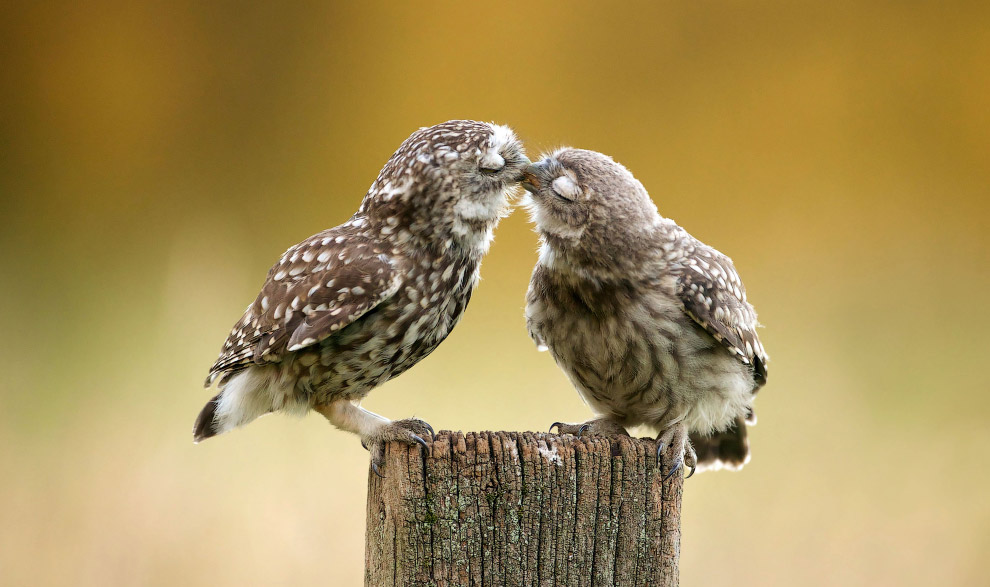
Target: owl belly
381, 344
651, 365
708, 388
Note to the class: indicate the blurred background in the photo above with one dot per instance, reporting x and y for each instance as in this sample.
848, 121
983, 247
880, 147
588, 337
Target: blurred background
157, 157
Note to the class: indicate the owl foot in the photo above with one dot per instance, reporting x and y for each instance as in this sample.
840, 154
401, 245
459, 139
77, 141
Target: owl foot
679, 451
598, 427
410, 431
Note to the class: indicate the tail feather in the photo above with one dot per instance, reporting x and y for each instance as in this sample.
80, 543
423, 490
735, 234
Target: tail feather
723, 450
245, 396
206, 423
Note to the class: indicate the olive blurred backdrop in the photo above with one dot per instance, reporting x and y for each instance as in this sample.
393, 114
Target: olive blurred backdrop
157, 157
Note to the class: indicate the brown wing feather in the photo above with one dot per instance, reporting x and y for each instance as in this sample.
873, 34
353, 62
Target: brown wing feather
317, 288
714, 297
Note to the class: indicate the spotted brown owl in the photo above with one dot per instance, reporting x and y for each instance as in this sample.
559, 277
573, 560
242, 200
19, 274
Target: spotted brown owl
353, 306
650, 325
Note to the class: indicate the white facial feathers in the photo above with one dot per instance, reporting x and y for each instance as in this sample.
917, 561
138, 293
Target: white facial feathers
491, 161
548, 222
481, 209
502, 136
566, 188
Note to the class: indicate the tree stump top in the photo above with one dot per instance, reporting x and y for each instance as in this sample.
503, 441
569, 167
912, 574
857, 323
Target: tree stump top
523, 508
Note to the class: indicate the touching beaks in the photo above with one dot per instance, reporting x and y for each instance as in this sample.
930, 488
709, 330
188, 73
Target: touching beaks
531, 176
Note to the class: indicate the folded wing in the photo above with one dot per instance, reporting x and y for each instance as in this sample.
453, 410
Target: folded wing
714, 297
317, 288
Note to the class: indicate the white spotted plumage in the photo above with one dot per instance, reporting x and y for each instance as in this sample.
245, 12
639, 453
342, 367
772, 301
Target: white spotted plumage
349, 308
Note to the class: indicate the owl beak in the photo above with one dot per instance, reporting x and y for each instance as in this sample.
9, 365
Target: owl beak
531, 177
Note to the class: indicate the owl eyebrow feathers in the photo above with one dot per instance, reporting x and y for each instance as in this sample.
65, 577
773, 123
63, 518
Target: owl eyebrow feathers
318, 288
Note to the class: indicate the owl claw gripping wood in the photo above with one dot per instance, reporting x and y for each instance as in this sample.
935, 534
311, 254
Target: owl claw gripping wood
651, 325
355, 305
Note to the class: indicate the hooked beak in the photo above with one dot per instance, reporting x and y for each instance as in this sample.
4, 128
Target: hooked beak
531, 176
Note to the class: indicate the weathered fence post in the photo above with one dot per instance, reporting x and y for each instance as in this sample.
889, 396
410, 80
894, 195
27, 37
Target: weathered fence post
522, 508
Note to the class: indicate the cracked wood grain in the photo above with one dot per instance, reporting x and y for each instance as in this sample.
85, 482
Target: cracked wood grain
523, 508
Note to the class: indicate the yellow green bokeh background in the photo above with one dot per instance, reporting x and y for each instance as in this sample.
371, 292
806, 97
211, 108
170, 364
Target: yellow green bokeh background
157, 157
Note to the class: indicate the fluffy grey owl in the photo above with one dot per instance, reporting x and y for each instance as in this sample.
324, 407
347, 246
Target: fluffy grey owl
650, 325
355, 305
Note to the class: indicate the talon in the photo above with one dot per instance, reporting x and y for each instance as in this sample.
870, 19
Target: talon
430, 428
693, 469
374, 467
557, 425
677, 467
659, 452
420, 441
582, 429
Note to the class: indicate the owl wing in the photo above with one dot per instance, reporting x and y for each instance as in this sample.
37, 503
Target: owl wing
714, 297
317, 288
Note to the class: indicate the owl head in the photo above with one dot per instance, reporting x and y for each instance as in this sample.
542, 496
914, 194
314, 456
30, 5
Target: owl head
449, 184
588, 208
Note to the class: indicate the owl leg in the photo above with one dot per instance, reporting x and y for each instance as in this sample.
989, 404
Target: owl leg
375, 431
598, 426
679, 450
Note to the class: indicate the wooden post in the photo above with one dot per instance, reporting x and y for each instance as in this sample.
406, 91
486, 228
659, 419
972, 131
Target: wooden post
523, 508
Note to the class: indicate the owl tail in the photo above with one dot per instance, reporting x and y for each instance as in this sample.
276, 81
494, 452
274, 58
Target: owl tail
206, 425
245, 396
723, 450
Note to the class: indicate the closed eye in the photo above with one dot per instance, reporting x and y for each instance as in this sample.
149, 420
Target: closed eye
564, 188
491, 163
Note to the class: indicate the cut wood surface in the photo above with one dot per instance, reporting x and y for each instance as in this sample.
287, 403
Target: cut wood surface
523, 508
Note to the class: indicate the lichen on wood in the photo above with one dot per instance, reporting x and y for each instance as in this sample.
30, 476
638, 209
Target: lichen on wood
523, 508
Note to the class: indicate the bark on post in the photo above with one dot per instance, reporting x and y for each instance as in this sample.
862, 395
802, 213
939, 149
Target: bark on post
523, 508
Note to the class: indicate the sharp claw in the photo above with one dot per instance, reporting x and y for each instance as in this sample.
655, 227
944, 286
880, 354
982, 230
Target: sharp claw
374, 467
419, 440
693, 469
556, 425
659, 452
582, 429
677, 467
430, 428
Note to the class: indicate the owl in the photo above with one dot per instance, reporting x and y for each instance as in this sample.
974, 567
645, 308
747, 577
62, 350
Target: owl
353, 306
651, 326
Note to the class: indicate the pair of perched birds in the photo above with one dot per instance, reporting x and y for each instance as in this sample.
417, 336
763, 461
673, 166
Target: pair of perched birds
650, 325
